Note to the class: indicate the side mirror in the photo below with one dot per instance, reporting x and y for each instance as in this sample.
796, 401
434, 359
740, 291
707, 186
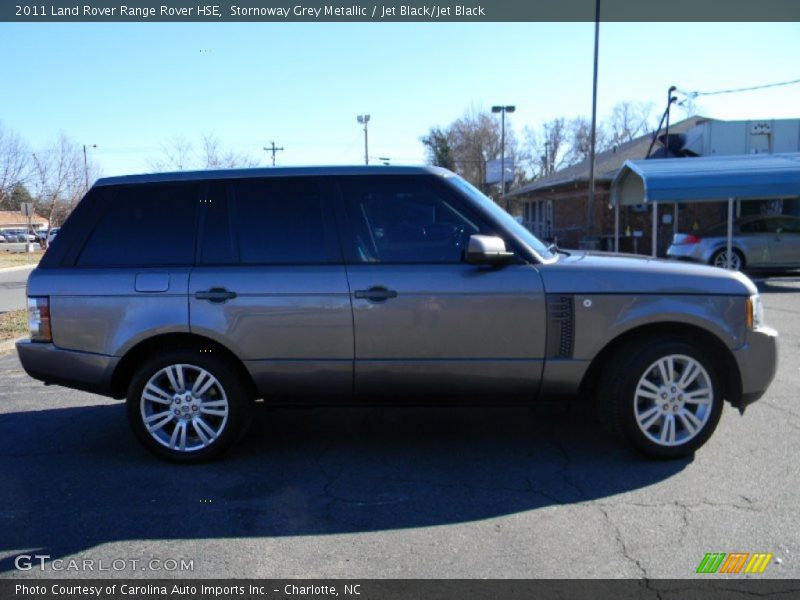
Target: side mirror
487, 250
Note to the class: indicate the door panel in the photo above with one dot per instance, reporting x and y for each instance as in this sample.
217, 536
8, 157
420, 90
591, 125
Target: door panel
425, 322
291, 325
272, 287
785, 240
451, 329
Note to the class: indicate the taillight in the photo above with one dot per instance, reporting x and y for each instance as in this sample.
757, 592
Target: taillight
39, 319
685, 239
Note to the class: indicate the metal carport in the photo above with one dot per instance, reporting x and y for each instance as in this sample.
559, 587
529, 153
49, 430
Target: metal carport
704, 179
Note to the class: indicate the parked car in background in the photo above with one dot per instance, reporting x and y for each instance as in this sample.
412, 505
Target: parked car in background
18, 235
759, 242
3, 239
382, 285
52, 235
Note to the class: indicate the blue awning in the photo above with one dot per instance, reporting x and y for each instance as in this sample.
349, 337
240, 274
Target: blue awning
707, 179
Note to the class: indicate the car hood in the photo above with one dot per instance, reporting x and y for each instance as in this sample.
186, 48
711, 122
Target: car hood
601, 273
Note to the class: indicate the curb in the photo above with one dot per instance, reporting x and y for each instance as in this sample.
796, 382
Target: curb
8, 346
17, 268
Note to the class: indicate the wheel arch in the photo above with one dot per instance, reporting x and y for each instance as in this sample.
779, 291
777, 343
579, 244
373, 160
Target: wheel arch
724, 247
727, 368
126, 368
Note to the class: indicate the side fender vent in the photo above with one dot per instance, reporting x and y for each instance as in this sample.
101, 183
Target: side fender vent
560, 326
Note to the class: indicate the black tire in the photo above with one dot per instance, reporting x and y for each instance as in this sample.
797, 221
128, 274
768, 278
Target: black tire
719, 254
227, 395
619, 402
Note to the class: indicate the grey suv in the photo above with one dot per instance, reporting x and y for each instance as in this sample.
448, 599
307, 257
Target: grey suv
194, 294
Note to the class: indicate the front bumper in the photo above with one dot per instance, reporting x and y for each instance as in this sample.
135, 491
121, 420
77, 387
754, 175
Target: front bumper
758, 362
78, 370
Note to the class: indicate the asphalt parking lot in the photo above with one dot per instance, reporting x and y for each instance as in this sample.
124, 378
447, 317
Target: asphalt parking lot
403, 492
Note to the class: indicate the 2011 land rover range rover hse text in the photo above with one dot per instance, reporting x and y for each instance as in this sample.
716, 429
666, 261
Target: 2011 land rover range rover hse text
193, 294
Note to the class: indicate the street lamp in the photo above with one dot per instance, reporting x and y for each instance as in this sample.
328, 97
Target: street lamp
503, 110
364, 119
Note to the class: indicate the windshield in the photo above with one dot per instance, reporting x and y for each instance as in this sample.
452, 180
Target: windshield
509, 222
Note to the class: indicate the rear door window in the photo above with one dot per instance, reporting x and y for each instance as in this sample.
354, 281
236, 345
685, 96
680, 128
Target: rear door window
283, 221
145, 225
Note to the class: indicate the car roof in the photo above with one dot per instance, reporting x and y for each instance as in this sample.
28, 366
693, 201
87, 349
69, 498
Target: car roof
216, 174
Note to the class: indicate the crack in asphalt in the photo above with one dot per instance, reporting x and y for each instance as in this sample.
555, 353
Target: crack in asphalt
621, 542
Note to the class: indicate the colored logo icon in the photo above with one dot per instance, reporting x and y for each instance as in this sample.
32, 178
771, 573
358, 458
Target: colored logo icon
734, 563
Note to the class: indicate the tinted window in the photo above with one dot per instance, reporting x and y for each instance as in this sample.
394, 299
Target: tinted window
217, 243
145, 225
788, 225
403, 220
757, 226
283, 221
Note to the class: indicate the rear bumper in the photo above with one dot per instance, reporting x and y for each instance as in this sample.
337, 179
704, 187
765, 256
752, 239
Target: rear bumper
689, 252
78, 370
758, 362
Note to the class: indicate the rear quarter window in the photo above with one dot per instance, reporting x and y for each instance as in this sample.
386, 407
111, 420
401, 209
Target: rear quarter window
145, 225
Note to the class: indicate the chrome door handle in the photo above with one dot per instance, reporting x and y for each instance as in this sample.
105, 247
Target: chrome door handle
376, 293
216, 295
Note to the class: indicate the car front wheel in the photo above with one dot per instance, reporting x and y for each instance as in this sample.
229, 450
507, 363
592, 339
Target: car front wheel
664, 396
187, 406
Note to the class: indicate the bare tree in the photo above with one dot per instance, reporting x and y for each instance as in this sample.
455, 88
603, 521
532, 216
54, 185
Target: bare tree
58, 179
580, 140
215, 158
179, 154
547, 150
14, 162
475, 139
176, 155
628, 121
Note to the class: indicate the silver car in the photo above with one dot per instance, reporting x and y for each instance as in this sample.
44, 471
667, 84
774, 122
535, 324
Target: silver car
373, 285
761, 242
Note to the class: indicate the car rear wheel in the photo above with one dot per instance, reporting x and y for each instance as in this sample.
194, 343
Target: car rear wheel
187, 406
720, 259
663, 397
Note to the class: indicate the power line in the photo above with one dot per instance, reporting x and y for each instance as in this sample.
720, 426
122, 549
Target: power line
743, 89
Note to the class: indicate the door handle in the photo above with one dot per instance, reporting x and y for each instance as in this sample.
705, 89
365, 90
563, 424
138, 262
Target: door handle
376, 293
216, 295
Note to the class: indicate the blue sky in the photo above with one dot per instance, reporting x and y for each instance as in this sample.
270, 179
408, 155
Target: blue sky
129, 88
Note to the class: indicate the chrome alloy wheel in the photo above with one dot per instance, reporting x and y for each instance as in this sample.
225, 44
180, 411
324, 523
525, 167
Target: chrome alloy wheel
673, 400
184, 407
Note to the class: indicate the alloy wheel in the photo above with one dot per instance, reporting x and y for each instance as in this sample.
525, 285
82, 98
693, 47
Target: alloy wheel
673, 400
721, 260
184, 407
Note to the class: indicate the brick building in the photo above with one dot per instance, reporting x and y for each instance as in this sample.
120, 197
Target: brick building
555, 207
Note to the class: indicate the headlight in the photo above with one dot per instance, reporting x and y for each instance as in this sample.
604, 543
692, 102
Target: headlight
755, 312
39, 319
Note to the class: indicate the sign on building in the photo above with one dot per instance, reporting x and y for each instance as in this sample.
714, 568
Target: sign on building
493, 171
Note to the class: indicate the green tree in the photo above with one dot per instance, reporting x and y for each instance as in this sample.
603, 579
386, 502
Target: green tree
440, 152
18, 195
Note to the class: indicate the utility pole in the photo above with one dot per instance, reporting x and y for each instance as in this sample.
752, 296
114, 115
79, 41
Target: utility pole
86, 164
274, 149
593, 141
364, 119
